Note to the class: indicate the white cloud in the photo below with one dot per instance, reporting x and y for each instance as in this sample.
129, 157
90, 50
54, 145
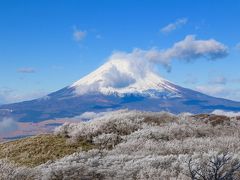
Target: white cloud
186, 50
212, 90
190, 49
89, 115
116, 79
86, 116
26, 70
175, 25
79, 35
7, 125
226, 113
218, 80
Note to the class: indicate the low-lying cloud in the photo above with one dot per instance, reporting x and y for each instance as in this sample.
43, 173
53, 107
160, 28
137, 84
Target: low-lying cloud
7, 125
90, 115
226, 113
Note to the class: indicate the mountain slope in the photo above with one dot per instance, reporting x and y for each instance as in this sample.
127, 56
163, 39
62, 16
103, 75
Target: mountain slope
115, 85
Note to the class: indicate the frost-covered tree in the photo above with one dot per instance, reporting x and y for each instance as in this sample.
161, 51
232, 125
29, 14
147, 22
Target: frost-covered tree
144, 145
217, 167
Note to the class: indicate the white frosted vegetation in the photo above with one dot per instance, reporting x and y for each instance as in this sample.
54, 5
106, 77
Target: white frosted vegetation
140, 145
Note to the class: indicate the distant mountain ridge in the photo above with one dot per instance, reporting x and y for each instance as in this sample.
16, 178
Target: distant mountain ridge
115, 85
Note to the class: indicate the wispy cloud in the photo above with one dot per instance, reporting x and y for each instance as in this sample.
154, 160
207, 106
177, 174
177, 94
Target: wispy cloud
218, 80
99, 36
220, 91
212, 90
219, 86
238, 46
175, 25
26, 70
191, 79
9, 95
57, 67
79, 35
235, 80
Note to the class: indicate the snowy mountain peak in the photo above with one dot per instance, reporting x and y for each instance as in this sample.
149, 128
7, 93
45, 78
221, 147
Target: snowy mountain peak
118, 84
120, 76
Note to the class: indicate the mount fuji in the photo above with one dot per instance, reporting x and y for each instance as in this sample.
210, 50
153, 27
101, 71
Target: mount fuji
117, 84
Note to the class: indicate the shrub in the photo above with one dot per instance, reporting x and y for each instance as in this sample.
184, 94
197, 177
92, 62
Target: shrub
143, 145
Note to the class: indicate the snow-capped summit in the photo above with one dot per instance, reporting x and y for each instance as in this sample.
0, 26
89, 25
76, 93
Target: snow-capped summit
120, 77
122, 82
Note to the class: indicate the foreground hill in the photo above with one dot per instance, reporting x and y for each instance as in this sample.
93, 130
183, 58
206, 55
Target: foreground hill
129, 145
118, 84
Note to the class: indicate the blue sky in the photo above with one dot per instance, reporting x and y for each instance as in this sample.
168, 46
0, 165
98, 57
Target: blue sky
47, 45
